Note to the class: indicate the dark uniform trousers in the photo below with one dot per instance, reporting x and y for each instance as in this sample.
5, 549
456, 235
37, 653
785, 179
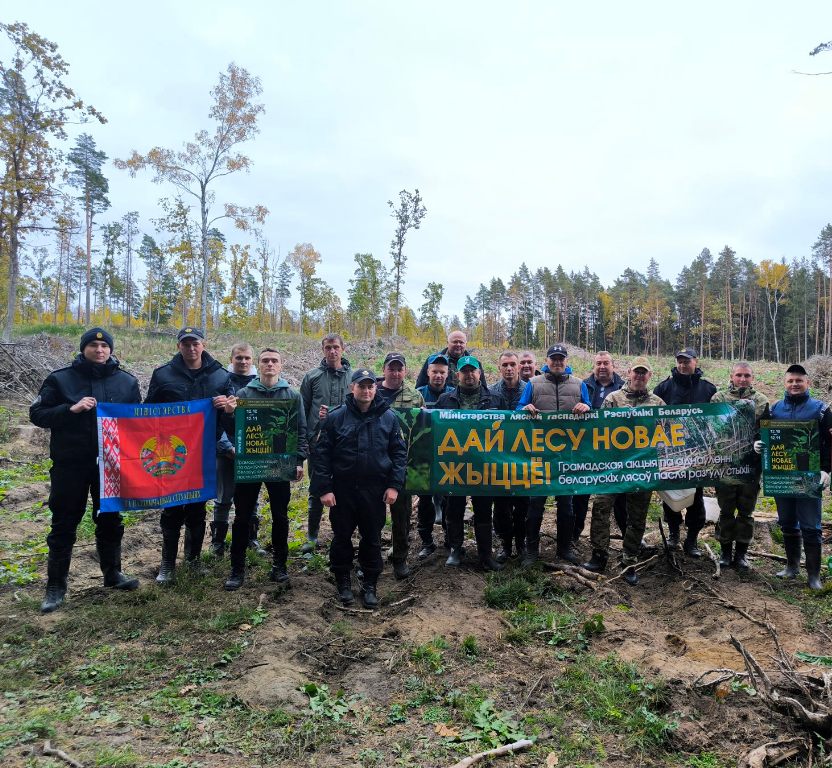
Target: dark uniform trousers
694, 514
362, 507
401, 511
510, 520
740, 499
426, 516
534, 519
245, 505
580, 505
455, 516
70, 488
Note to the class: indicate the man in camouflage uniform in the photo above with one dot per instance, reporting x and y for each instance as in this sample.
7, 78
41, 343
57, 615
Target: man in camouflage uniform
397, 393
735, 533
634, 394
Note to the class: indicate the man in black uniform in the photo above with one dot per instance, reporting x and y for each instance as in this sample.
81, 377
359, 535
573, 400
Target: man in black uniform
66, 404
359, 463
452, 353
685, 386
192, 374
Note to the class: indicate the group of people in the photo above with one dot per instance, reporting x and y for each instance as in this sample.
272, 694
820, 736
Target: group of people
351, 439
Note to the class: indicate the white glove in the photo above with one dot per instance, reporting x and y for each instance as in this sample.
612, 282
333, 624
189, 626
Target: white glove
758, 446
824, 479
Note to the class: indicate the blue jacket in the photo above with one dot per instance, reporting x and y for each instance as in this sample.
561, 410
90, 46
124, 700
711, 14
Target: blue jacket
594, 387
430, 396
806, 408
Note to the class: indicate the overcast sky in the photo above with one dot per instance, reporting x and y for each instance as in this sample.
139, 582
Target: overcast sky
597, 134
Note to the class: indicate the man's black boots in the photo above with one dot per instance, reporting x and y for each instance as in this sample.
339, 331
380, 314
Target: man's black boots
739, 562
237, 576
726, 557
597, 564
482, 533
57, 570
109, 556
792, 545
170, 548
218, 533
194, 536
368, 593
812, 550
343, 582
672, 534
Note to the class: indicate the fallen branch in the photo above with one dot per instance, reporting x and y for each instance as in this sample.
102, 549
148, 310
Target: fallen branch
576, 577
50, 751
573, 569
725, 675
769, 555
506, 749
639, 566
715, 559
728, 604
773, 753
352, 610
408, 599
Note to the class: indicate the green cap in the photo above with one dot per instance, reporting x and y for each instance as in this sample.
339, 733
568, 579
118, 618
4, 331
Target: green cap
467, 360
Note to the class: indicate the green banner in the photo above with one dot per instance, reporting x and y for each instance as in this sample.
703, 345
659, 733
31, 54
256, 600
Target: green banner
265, 440
502, 453
791, 458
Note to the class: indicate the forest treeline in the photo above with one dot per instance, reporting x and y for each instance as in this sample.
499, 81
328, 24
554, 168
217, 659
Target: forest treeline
65, 258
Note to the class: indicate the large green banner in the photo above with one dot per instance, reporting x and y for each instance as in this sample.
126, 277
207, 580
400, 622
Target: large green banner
503, 453
791, 458
265, 440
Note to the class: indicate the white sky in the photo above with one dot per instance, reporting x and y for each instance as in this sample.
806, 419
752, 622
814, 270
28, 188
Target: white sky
598, 134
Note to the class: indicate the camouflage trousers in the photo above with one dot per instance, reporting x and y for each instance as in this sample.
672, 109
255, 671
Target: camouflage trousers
740, 499
599, 531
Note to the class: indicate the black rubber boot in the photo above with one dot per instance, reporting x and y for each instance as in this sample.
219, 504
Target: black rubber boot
530, 556
194, 536
109, 556
313, 526
280, 574
630, 576
170, 548
428, 548
401, 570
597, 564
57, 570
236, 579
343, 581
482, 533
812, 550
505, 551
691, 545
218, 533
672, 534
369, 599
253, 543
565, 545
456, 556
568, 553
726, 557
739, 562
792, 544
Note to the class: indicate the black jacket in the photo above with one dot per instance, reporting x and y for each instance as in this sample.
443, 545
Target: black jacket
488, 400
592, 387
363, 449
74, 438
174, 382
508, 398
678, 389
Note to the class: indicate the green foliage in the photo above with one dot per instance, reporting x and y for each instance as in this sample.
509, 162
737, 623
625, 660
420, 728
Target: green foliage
397, 714
491, 727
470, 647
324, 704
430, 655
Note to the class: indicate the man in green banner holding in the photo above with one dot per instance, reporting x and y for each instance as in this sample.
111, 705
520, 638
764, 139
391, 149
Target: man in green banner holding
733, 495
267, 386
555, 390
471, 394
634, 394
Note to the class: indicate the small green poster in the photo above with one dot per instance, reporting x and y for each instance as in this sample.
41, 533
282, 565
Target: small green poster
791, 458
265, 440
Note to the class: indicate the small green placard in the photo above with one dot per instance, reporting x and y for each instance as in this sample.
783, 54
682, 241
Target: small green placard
791, 458
265, 440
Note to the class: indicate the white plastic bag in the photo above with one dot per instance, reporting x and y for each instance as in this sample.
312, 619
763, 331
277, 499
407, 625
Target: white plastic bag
678, 499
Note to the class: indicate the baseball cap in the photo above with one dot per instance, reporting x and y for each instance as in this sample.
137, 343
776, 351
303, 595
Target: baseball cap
557, 350
395, 357
796, 368
467, 360
363, 375
190, 333
438, 358
688, 352
641, 362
